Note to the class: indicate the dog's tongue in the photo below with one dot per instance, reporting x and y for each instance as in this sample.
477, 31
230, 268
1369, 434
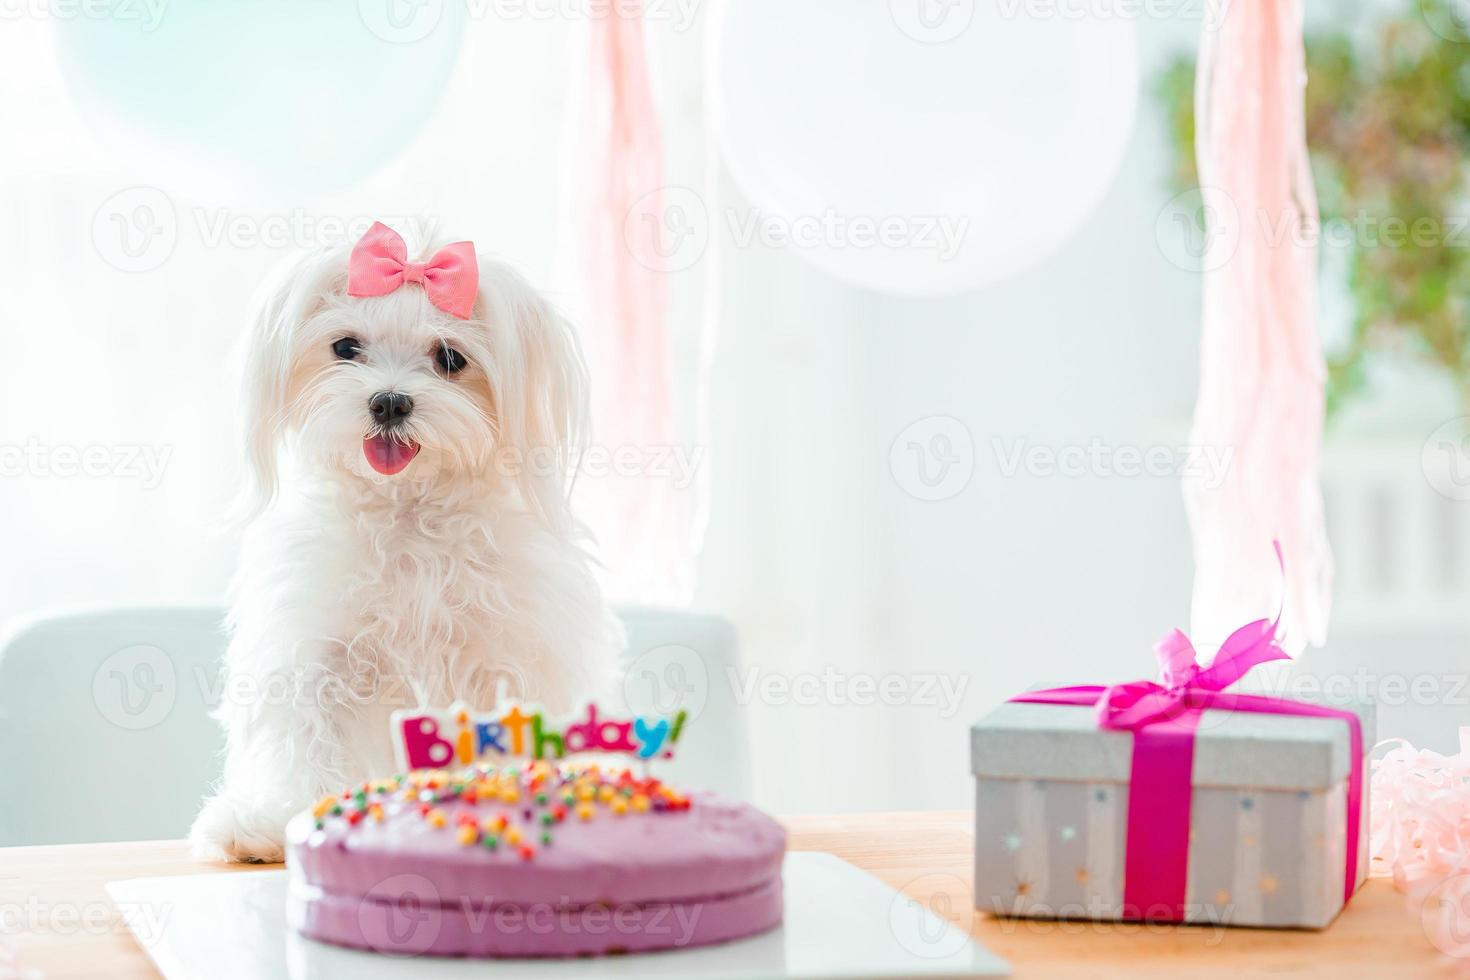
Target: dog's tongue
388, 456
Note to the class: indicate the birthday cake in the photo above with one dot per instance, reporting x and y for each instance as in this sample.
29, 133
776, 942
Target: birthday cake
528, 858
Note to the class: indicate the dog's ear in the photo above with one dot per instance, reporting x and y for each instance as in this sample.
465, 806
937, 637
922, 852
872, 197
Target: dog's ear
294, 293
540, 390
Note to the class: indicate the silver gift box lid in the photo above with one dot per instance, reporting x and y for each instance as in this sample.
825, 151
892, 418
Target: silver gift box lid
1232, 748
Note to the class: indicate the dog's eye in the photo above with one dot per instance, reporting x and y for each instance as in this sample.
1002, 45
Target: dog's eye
347, 348
450, 361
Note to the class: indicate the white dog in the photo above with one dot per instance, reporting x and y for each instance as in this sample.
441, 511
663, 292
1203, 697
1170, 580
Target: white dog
409, 427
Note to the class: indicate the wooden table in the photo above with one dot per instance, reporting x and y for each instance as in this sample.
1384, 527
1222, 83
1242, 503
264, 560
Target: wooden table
56, 917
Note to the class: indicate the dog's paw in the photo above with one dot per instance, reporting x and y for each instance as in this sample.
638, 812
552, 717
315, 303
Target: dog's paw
231, 829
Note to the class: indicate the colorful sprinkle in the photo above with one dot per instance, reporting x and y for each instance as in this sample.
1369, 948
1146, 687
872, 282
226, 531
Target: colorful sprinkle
443, 798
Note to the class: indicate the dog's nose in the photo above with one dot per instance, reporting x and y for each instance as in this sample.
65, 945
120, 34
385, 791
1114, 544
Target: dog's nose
390, 408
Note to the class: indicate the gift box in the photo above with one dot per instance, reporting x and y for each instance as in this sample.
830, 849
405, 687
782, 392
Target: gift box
1173, 801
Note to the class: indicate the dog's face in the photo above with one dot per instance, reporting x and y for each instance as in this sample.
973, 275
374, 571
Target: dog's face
390, 388
378, 381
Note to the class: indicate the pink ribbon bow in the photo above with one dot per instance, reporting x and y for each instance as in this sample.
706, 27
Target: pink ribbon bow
379, 265
1163, 718
1182, 681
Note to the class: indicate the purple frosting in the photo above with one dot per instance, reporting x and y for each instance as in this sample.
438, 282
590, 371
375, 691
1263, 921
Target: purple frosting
637, 881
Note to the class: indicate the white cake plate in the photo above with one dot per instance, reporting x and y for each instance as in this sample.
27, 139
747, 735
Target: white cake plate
840, 922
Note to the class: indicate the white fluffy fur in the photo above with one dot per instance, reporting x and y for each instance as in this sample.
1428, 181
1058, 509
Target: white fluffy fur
359, 593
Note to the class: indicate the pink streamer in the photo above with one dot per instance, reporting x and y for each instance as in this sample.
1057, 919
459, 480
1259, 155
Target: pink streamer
641, 519
1262, 372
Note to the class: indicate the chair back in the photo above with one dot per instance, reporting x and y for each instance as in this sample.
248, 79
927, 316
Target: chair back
105, 732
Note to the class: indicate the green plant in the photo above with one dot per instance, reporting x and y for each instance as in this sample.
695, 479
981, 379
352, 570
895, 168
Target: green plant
1388, 128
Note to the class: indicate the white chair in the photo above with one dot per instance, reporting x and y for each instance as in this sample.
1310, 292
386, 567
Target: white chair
105, 734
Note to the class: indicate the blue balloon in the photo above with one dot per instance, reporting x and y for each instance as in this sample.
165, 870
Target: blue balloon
217, 98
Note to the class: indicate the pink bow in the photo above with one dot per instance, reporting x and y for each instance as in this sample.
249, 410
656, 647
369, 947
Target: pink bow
1182, 681
379, 264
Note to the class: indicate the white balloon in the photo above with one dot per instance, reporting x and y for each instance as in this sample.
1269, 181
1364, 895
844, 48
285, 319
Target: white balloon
921, 146
262, 102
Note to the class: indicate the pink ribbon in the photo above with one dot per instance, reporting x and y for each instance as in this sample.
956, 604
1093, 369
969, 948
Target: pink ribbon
1163, 718
379, 265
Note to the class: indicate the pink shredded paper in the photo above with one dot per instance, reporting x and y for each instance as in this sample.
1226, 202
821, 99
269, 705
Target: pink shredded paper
10, 969
1419, 834
1420, 825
